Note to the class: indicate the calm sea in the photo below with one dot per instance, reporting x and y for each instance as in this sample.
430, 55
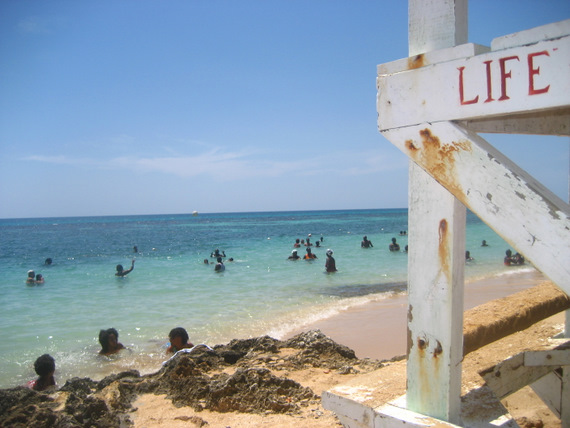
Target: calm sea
260, 292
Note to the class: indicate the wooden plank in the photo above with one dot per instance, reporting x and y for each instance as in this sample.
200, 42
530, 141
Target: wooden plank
549, 389
565, 398
522, 211
353, 413
435, 298
437, 248
511, 375
518, 80
527, 37
555, 357
549, 122
389, 416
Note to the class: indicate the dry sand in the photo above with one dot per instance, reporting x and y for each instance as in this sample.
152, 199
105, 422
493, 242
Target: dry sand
377, 330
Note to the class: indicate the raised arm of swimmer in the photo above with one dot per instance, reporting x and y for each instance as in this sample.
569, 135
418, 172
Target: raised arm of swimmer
122, 272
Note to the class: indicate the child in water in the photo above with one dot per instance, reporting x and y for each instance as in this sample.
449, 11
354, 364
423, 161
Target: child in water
178, 340
45, 369
109, 340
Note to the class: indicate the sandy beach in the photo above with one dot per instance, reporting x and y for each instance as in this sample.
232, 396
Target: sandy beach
378, 329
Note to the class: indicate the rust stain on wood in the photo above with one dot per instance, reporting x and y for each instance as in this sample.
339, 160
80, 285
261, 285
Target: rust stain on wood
443, 248
416, 61
439, 159
409, 333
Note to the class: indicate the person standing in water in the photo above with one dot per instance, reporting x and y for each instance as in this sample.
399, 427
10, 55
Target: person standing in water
220, 267
293, 256
394, 246
330, 264
31, 279
310, 255
122, 272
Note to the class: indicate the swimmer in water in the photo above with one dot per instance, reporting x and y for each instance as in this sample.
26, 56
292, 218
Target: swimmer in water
45, 369
394, 246
178, 340
293, 256
220, 265
366, 243
109, 340
121, 272
330, 264
310, 255
31, 279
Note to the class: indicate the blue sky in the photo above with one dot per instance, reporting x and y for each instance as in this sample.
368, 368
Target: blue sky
149, 107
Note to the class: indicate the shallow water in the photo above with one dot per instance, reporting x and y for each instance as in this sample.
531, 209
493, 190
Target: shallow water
260, 292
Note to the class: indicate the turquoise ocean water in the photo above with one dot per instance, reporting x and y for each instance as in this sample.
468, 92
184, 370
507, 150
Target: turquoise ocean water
260, 292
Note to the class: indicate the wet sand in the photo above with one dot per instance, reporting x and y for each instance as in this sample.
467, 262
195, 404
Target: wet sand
378, 329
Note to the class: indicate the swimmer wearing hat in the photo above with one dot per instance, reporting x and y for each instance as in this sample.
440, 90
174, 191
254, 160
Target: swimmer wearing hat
293, 256
330, 264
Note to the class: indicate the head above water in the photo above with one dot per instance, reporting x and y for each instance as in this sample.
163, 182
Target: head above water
105, 338
329, 252
178, 332
44, 365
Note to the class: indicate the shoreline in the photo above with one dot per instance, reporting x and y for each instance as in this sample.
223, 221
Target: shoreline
378, 329
242, 374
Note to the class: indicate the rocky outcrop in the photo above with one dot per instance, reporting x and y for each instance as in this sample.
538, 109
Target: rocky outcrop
241, 376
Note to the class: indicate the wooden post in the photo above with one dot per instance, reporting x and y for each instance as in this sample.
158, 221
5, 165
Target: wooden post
436, 248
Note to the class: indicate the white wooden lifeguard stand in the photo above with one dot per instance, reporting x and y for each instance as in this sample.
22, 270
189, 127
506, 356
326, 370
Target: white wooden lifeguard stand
431, 106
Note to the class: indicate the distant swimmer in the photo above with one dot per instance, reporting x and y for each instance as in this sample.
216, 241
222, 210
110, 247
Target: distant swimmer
297, 243
508, 260
45, 369
293, 256
310, 255
317, 243
518, 259
308, 242
48, 261
135, 249
122, 272
109, 340
39, 279
511, 260
484, 243
216, 253
31, 279
468, 257
178, 340
330, 264
366, 243
220, 267
206, 262
394, 246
